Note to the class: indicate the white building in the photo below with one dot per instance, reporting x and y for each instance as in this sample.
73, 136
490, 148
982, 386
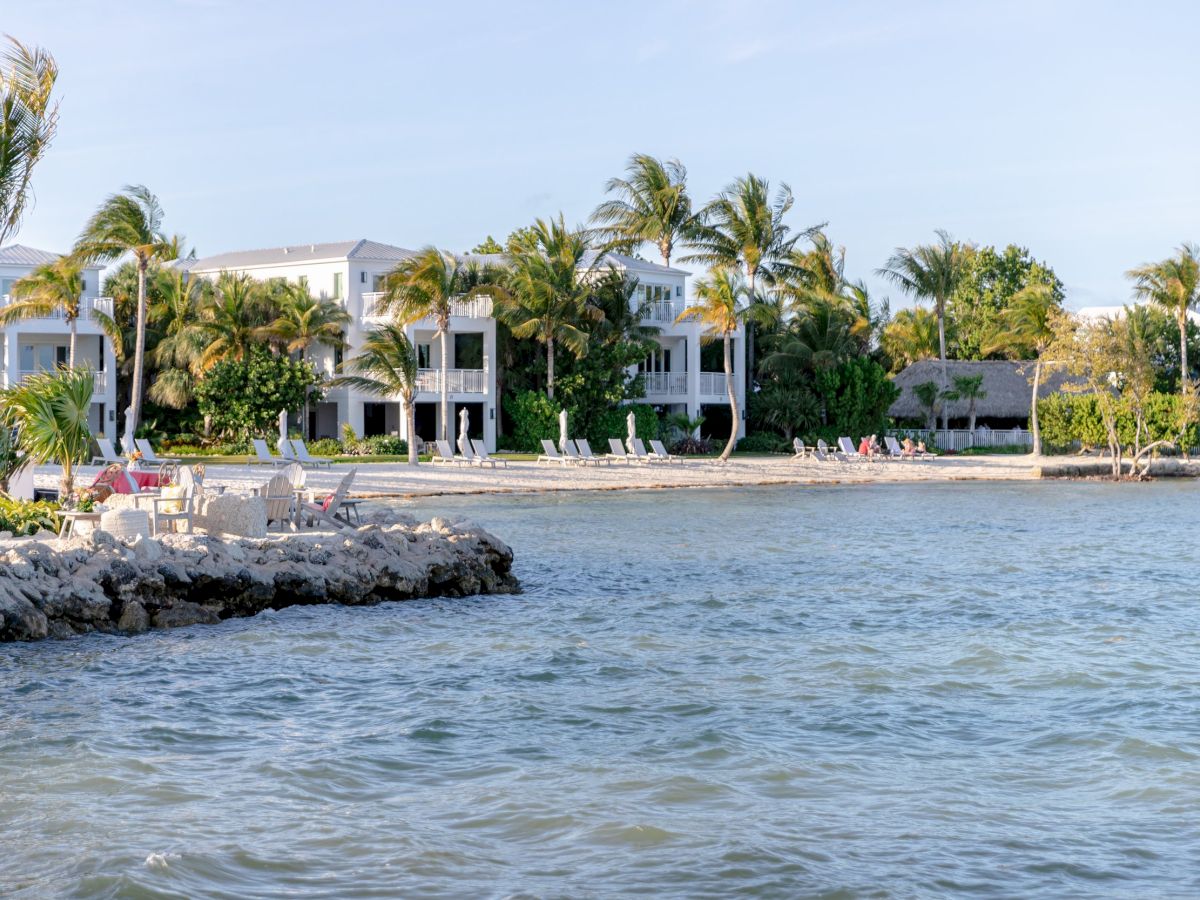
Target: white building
351, 272
41, 344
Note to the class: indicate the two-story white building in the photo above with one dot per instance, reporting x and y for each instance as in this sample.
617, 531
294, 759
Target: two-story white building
41, 344
352, 271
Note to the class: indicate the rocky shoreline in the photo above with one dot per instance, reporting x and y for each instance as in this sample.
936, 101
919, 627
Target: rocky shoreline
56, 589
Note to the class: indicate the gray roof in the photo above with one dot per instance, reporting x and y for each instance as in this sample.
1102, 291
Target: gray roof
631, 264
20, 255
301, 253
1009, 387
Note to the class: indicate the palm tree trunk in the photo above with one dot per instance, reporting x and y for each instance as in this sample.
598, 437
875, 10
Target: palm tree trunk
550, 369
139, 348
733, 405
1183, 362
1033, 413
410, 413
74, 342
750, 336
444, 388
941, 317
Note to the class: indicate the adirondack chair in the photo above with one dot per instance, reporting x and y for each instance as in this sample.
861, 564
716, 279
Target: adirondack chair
175, 503
327, 511
278, 496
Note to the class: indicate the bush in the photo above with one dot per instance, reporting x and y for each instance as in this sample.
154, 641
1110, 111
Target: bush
533, 418
22, 517
763, 442
244, 397
385, 445
857, 396
1068, 419
328, 447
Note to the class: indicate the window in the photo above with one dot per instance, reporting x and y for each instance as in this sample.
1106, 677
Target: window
83, 284
337, 285
678, 290
468, 351
302, 281
423, 356
377, 283
338, 352
362, 277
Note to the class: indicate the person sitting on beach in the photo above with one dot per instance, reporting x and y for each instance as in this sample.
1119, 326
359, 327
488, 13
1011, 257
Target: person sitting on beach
921, 448
864, 446
908, 448
874, 445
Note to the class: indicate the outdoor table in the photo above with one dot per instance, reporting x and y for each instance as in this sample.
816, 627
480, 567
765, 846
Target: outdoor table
71, 516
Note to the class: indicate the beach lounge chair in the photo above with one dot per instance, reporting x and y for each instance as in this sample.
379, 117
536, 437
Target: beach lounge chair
846, 446
279, 498
174, 504
330, 509
150, 458
894, 450
108, 453
285, 450
659, 452
640, 452
481, 455
550, 454
262, 454
444, 453
585, 453
573, 454
474, 459
825, 456
307, 459
616, 452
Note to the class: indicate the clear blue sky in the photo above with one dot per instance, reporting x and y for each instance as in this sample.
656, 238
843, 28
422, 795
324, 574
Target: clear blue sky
1070, 128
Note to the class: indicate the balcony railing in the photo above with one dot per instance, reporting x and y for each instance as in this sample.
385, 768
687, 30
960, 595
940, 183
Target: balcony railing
87, 306
475, 308
100, 379
458, 381
670, 383
662, 311
712, 384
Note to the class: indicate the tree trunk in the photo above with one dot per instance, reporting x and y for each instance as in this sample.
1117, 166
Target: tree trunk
139, 348
752, 277
1033, 412
971, 415
941, 317
733, 405
550, 369
444, 386
410, 412
1183, 363
67, 483
74, 341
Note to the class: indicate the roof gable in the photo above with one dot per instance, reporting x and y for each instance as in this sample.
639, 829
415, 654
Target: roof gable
362, 249
20, 255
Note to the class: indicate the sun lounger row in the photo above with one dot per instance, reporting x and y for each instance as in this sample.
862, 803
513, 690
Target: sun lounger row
579, 452
475, 454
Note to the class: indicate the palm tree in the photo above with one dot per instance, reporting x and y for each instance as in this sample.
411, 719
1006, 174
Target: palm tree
744, 228
1028, 324
931, 272
912, 335
387, 367
230, 319
173, 314
425, 286
820, 337
51, 287
969, 388
548, 289
129, 222
720, 309
49, 410
651, 205
1173, 285
28, 122
305, 320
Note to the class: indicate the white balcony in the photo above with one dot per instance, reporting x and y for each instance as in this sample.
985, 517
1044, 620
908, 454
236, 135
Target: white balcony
476, 308
712, 384
662, 311
458, 381
100, 379
671, 384
87, 306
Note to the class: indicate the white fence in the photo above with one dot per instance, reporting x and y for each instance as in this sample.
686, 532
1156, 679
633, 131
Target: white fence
961, 439
712, 384
479, 307
458, 381
669, 383
86, 306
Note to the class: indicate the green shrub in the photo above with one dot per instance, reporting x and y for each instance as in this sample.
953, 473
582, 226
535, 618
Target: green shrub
763, 442
23, 517
1068, 419
385, 445
244, 397
533, 418
328, 447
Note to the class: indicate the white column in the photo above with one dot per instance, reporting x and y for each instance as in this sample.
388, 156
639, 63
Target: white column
739, 381
351, 410
12, 357
691, 345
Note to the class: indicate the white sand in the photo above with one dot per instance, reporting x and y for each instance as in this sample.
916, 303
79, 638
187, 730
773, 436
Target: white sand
398, 479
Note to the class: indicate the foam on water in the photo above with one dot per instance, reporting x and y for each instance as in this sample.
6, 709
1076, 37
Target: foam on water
867, 691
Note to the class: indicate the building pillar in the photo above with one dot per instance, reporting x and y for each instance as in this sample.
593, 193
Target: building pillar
691, 344
12, 371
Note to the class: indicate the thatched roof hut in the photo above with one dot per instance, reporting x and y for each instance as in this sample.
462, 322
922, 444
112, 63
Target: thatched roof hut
1009, 387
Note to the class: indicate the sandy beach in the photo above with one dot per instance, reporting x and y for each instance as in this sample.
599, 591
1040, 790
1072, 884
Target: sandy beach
401, 480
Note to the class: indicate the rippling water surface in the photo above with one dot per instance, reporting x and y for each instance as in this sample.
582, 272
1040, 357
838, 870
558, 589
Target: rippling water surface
991, 690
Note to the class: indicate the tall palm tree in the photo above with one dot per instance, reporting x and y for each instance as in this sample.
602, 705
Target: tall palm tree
176, 301
51, 287
231, 318
719, 308
386, 366
911, 335
744, 228
1028, 324
820, 337
548, 287
49, 410
129, 222
651, 204
28, 122
424, 286
1173, 285
305, 320
931, 272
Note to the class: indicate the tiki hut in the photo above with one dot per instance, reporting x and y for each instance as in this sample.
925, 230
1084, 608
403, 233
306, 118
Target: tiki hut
1008, 385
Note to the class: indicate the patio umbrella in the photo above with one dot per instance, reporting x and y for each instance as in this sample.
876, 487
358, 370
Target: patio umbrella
282, 429
562, 432
127, 437
631, 431
464, 427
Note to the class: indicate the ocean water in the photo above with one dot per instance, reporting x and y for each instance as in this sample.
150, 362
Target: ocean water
984, 690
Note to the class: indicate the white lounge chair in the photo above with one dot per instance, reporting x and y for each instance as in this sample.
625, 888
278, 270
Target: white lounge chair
585, 452
640, 452
108, 453
800, 450
616, 451
659, 452
846, 446
280, 499
894, 450
573, 454
262, 454
446, 453
550, 454
328, 509
150, 457
307, 459
481, 454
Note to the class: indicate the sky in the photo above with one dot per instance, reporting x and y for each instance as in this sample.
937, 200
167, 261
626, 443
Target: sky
1069, 128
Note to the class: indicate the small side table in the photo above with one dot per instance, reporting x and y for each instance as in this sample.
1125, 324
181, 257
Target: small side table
71, 516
